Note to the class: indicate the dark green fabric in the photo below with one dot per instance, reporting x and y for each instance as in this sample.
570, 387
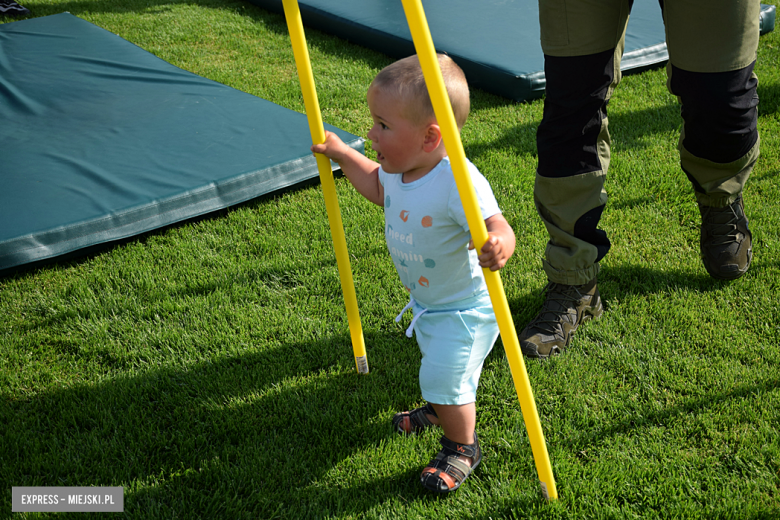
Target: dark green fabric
101, 140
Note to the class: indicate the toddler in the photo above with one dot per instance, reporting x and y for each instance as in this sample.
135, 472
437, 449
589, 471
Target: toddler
429, 241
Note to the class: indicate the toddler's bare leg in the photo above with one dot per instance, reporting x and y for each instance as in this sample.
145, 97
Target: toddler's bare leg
458, 423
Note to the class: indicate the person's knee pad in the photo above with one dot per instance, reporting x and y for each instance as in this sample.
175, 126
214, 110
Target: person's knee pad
719, 111
574, 110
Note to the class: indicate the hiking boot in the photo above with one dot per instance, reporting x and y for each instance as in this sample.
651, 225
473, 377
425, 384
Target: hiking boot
11, 8
726, 241
565, 308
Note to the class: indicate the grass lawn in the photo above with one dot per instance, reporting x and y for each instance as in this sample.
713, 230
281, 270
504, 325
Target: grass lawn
207, 368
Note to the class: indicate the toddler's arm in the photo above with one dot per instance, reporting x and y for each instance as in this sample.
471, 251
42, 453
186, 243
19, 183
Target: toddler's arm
361, 171
500, 244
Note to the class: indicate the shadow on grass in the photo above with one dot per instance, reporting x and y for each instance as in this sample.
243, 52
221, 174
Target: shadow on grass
637, 280
769, 98
618, 282
651, 419
262, 435
768, 177
623, 280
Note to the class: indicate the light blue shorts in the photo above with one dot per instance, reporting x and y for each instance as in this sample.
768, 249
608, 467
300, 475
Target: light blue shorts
454, 345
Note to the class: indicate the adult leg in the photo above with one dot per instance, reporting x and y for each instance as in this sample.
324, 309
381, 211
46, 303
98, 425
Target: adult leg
712, 51
583, 46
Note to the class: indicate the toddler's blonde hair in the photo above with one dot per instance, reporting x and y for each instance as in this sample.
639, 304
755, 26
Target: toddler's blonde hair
404, 78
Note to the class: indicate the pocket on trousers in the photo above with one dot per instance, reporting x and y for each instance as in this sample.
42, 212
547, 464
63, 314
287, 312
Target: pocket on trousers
553, 23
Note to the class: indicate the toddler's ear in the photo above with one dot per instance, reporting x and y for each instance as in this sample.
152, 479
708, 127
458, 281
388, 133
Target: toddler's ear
432, 138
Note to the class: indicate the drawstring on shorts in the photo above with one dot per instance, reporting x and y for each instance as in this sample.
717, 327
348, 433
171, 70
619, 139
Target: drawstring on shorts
414, 319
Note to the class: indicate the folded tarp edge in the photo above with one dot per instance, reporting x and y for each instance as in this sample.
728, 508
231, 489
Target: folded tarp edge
193, 203
652, 56
767, 19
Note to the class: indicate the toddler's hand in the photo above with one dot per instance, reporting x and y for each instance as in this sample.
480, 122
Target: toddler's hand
333, 148
494, 254
500, 244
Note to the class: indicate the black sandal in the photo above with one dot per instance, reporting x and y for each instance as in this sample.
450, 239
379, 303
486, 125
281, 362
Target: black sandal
414, 421
446, 472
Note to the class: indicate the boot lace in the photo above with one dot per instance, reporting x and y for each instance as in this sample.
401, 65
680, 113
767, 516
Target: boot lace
559, 301
722, 224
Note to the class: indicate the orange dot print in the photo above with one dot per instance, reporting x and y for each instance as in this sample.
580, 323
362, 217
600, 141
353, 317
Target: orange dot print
427, 221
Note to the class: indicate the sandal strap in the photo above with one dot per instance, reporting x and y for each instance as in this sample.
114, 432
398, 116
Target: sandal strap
420, 418
464, 450
450, 482
455, 462
446, 472
415, 420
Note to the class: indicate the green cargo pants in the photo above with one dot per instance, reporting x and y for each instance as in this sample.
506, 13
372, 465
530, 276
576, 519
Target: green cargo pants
712, 49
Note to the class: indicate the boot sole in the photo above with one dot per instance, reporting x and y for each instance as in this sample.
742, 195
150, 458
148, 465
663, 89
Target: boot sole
736, 274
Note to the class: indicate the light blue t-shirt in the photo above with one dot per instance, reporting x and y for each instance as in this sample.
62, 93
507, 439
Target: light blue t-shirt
427, 234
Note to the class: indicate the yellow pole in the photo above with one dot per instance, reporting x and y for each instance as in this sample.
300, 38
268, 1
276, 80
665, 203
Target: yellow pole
426, 52
301, 52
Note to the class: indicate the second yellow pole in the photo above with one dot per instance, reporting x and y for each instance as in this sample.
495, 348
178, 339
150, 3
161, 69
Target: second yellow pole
426, 52
295, 26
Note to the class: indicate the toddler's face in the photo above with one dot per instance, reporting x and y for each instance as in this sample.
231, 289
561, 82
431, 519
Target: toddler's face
397, 140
